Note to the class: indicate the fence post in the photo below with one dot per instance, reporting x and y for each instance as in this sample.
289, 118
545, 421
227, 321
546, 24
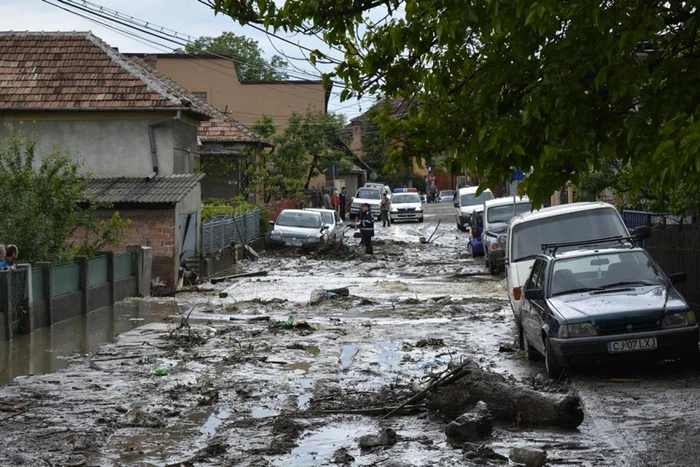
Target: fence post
110, 275
6, 305
84, 275
27, 322
46, 272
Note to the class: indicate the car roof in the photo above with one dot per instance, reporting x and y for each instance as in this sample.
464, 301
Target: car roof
319, 209
470, 190
507, 200
297, 211
558, 210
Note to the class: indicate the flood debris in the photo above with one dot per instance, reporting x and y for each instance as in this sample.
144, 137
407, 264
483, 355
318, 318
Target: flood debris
139, 418
528, 457
472, 425
507, 401
482, 453
433, 342
216, 280
320, 295
385, 437
293, 324
342, 457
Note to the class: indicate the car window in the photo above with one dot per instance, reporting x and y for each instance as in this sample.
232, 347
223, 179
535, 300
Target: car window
528, 237
470, 199
368, 193
536, 279
605, 270
447, 193
506, 212
299, 219
405, 198
327, 217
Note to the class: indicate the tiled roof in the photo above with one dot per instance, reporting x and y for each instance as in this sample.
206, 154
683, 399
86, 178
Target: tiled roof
77, 71
160, 189
398, 109
221, 127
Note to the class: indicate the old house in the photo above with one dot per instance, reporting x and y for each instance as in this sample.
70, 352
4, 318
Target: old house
136, 133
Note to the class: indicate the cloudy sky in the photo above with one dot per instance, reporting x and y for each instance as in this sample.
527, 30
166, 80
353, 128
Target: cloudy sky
188, 17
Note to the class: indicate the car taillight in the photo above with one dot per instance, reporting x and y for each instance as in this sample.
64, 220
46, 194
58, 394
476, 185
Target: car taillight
517, 292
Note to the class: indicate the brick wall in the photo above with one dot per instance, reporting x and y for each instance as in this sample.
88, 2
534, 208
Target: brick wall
154, 228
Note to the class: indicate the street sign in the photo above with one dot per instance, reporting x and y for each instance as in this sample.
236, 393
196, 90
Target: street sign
334, 170
518, 175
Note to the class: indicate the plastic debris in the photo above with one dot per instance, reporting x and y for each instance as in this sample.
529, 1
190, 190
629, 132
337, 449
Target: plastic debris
162, 371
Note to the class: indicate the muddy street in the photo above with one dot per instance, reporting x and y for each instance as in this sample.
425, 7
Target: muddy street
273, 370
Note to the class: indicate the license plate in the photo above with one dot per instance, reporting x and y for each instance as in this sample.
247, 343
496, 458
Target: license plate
632, 345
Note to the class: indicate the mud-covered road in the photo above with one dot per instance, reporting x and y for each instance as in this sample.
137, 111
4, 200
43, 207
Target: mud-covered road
260, 374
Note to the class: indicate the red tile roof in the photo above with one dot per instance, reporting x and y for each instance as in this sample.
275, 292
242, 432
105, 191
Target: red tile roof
77, 71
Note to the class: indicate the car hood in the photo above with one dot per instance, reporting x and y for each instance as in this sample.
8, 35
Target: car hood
405, 205
297, 232
373, 202
497, 228
646, 302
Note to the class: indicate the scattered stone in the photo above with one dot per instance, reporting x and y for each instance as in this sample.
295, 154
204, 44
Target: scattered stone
529, 457
342, 456
139, 418
223, 294
471, 426
432, 342
505, 348
385, 437
481, 452
303, 259
121, 409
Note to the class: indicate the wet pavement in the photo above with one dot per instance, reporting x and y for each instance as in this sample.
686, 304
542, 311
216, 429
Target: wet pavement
263, 373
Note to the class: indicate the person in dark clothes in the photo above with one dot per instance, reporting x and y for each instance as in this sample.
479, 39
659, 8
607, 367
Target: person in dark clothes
365, 221
343, 202
384, 207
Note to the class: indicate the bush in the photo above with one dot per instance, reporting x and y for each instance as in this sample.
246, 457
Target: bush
213, 207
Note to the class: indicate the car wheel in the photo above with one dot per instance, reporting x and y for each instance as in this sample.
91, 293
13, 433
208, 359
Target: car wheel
492, 268
420, 220
554, 369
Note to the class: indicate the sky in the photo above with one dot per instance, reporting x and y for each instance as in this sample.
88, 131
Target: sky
188, 17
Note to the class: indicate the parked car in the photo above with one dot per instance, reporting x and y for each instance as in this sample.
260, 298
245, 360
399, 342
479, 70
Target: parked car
380, 186
406, 207
332, 219
298, 227
497, 213
369, 195
568, 222
446, 195
465, 201
603, 302
475, 246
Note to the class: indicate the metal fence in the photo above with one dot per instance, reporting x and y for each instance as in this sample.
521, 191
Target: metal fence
222, 232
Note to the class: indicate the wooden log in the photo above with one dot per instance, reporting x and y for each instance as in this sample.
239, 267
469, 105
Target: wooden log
216, 280
507, 401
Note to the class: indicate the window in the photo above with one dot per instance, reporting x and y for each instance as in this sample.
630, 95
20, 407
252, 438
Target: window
505, 213
202, 95
405, 198
472, 199
536, 280
368, 193
299, 219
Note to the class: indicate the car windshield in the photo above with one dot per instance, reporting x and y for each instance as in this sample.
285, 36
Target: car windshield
299, 219
405, 198
528, 237
604, 271
368, 193
505, 213
470, 199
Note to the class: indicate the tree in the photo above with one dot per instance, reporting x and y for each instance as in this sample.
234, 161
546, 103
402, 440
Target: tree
41, 207
309, 144
561, 88
247, 56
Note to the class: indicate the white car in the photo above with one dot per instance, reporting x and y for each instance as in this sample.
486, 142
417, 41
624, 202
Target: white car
369, 195
333, 221
406, 207
465, 201
574, 222
497, 214
446, 196
298, 227
380, 186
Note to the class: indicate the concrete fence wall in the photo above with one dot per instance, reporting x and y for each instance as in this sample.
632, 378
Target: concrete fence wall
39, 295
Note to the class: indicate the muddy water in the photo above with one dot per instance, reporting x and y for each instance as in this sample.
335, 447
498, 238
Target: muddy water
47, 350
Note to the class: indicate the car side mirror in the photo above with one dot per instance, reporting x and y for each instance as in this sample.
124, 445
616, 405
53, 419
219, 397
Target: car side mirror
534, 294
271, 222
456, 204
642, 232
678, 277
325, 227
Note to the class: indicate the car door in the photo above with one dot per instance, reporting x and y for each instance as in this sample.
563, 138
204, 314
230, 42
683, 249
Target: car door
337, 226
532, 311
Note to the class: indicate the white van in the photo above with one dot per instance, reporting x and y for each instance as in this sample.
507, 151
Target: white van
574, 222
465, 201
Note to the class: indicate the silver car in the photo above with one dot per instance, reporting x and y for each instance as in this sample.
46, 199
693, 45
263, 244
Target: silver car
333, 221
299, 227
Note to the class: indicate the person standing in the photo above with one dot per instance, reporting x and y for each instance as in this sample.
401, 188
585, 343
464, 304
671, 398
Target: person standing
343, 197
326, 201
8, 262
384, 207
335, 200
433, 192
366, 223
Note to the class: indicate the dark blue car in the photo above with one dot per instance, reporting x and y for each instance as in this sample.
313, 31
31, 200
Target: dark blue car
603, 302
476, 227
